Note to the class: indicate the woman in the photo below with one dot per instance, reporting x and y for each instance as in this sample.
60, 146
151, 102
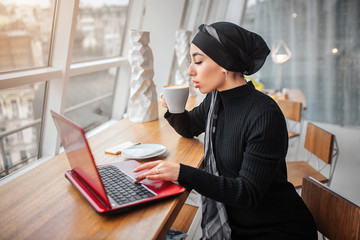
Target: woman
244, 184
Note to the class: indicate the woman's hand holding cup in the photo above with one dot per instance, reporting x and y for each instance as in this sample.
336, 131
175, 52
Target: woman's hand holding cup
162, 101
175, 97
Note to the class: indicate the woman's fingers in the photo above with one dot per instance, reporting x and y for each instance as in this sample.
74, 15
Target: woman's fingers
162, 101
145, 175
159, 170
149, 165
146, 166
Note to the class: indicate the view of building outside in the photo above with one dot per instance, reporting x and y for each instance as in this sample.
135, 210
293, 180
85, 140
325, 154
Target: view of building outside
25, 34
25, 40
99, 34
89, 98
20, 121
26, 28
100, 29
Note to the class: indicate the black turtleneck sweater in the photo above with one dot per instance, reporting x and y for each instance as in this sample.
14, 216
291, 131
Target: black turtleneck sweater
250, 145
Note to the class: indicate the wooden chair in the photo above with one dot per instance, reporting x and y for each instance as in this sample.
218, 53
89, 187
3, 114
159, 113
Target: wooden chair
292, 113
319, 144
335, 216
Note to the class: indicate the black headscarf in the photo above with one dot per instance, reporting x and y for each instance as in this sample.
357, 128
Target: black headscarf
232, 47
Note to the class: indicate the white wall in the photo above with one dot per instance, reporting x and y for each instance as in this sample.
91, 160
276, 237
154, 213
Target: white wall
162, 18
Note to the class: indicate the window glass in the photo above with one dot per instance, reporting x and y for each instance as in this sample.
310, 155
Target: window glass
20, 126
89, 98
99, 30
323, 38
217, 11
25, 33
195, 15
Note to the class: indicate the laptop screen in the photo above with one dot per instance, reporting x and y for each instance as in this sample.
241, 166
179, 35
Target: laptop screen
79, 154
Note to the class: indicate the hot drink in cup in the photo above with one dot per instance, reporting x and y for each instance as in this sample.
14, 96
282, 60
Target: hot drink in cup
176, 97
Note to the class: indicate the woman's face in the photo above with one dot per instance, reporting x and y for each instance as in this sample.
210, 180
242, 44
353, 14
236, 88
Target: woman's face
206, 74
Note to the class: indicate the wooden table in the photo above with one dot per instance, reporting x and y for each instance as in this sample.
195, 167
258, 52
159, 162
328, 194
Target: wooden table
42, 204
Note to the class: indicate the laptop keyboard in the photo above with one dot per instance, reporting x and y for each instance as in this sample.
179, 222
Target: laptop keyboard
121, 187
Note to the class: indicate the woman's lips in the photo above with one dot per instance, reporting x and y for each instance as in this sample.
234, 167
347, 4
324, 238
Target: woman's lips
196, 84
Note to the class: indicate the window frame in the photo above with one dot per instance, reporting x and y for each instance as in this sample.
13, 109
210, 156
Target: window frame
56, 78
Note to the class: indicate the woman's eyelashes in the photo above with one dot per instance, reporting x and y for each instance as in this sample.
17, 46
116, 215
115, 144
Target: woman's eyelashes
196, 62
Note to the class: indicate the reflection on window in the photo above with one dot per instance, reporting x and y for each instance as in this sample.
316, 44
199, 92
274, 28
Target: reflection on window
89, 98
217, 11
99, 30
193, 21
23, 155
194, 17
323, 37
14, 107
25, 33
20, 126
8, 162
30, 107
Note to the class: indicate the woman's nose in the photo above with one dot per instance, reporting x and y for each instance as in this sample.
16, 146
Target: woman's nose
191, 71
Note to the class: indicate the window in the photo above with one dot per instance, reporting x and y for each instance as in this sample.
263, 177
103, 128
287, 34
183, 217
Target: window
90, 98
19, 136
14, 109
26, 29
30, 110
25, 33
8, 161
23, 155
217, 10
35, 74
193, 20
99, 30
323, 39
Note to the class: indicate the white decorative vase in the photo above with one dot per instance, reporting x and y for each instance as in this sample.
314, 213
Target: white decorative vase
182, 48
143, 104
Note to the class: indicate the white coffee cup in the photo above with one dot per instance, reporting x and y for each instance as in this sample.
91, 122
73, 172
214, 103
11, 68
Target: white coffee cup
176, 97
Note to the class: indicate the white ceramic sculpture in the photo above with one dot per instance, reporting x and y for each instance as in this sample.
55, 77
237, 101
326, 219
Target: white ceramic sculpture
182, 47
143, 104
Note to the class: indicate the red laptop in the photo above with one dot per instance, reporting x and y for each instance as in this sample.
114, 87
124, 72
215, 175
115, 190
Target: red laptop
108, 188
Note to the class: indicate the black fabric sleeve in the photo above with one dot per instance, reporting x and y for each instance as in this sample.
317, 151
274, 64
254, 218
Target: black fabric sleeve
190, 123
266, 147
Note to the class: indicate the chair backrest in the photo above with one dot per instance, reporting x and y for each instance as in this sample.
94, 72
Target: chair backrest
291, 109
319, 142
335, 216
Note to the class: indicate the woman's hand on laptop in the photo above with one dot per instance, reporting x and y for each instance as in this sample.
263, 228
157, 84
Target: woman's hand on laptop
158, 170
